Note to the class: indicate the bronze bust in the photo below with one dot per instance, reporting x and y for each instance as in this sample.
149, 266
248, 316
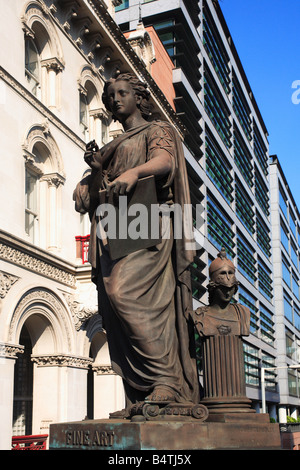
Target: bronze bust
221, 326
221, 317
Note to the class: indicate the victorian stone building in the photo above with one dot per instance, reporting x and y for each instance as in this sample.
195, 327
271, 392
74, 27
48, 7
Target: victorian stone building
55, 57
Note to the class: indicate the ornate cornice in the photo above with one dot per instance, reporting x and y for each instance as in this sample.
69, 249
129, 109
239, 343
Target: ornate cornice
34, 259
114, 31
103, 369
124, 49
61, 360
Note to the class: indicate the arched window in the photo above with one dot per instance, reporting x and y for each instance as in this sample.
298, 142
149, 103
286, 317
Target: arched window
44, 176
32, 67
94, 118
43, 56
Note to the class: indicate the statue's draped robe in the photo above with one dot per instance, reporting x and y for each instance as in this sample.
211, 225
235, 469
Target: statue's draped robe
145, 297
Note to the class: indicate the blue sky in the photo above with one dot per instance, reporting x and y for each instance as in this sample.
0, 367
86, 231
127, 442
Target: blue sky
266, 34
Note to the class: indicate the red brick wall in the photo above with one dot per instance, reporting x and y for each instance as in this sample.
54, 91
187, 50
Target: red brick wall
161, 69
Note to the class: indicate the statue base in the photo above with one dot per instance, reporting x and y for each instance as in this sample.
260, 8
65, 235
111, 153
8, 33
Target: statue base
231, 431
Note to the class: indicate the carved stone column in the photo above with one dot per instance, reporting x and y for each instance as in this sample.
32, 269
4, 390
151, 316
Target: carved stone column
224, 376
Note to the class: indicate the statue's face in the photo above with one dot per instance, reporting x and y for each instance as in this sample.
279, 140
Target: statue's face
224, 276
122, 99
224, 294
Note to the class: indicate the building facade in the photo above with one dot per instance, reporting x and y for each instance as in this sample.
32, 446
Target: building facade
54, 358
55, 58
226, 148
285, 241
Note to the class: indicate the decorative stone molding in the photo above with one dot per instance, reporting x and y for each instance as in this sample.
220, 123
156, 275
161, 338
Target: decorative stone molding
80, 312
52, 9
61, 360
48, 304
114, 133
32, 263
28, 31
71, 8
53, 179
84, 28
40, 133
95, 41
6, 282
89, 73
141, 43
53, 64
37, 10
103, 369
10, 351
100, 113
112, 29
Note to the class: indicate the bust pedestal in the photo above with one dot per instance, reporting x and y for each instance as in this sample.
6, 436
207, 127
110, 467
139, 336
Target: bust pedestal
224, 377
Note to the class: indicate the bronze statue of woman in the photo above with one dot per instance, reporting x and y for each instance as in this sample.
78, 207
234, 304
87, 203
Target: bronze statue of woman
144, 297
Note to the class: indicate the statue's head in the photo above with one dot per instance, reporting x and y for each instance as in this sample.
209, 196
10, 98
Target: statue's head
139, 89
222, 274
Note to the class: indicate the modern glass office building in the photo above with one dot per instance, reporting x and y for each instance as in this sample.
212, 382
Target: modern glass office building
285, 219
226, 149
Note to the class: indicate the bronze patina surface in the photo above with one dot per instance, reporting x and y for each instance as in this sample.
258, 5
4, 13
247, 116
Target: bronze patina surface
144, 296
114, 435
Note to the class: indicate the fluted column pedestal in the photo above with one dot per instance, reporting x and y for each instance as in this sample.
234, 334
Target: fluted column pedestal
224, 376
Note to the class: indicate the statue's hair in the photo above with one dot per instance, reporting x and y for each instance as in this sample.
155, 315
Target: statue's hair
139, 88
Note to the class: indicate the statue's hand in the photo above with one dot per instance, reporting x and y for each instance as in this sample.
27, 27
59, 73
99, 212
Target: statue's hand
124, 183
92, 154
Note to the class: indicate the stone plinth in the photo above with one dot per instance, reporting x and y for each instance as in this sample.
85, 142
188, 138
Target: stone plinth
253, 432
224, 375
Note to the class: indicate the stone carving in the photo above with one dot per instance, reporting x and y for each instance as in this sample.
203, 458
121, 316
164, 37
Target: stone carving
6, 282
32, 263
81, 312
103, 369
11, 350
47, 301
61, 360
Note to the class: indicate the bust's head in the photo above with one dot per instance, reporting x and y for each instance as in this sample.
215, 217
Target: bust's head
223, 282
